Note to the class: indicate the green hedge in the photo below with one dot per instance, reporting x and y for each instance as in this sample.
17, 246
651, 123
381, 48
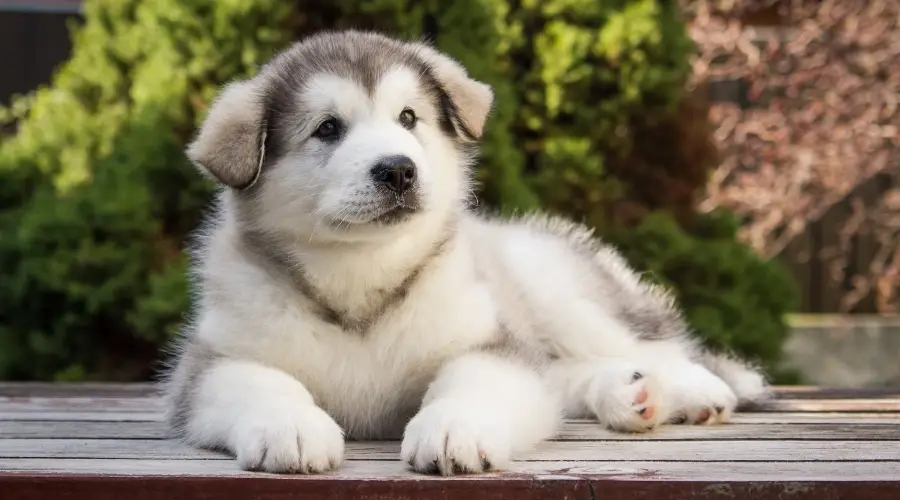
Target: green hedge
96, 195
590, 121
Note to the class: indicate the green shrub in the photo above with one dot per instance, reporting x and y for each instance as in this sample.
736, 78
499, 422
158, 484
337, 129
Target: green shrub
593, 74
95, 193
590, 121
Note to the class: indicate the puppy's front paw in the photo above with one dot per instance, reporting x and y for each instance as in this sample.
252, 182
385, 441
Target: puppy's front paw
295, 439
453, 438
625, 397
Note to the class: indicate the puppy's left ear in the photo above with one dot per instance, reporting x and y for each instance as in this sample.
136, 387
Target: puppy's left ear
230, 146
471, 99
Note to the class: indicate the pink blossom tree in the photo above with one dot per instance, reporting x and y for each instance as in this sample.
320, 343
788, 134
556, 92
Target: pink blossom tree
818, 114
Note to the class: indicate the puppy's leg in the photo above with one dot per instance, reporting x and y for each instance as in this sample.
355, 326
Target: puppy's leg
265, 417
621, 394
478, 411
627, 396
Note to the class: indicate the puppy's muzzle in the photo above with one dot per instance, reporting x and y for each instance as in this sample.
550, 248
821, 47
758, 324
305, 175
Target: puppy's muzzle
397, 173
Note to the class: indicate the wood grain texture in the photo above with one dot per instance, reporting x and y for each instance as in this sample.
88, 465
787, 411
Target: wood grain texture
563, 485
99, 442
571, 431
75, 389
828, 405
372, 469
85, 416
612, 451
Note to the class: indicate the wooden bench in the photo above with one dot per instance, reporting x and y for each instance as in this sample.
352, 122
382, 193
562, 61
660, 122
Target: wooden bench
108, 442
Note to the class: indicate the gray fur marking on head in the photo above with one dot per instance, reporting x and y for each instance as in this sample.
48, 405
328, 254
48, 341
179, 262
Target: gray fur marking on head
252, 122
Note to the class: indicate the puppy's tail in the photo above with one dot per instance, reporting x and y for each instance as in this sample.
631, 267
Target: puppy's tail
748, 382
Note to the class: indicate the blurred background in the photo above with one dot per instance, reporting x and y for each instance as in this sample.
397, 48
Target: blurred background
744, 153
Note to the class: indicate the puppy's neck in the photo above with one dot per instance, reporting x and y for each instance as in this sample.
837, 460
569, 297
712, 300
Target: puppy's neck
352, 283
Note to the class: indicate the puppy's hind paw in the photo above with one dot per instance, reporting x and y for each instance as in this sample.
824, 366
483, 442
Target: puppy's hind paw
625, 398
699, 397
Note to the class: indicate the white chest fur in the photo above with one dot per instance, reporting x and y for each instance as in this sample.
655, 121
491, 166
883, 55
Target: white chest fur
371, 382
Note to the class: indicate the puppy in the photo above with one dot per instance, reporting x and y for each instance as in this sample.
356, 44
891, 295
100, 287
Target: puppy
345, 290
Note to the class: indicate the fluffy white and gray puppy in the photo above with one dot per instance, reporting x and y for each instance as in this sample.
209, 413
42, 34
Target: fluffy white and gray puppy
345, 289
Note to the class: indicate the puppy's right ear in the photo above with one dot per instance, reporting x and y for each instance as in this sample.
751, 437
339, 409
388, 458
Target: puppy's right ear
231, 143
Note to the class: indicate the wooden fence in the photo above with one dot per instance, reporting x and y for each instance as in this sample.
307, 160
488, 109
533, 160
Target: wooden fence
824, 269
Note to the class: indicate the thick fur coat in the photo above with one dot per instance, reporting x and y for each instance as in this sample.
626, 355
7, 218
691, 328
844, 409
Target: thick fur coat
344, 288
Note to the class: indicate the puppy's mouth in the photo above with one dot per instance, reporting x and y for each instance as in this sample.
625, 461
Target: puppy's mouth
387, 213
399, 213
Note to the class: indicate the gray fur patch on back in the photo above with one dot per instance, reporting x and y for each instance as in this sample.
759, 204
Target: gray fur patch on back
648, 310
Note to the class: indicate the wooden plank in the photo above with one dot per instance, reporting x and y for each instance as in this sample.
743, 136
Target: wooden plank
575, 481
76, 389
814, 392
105, 405
13, 404
90, 416
30, 429
140, 397
577, 431
571, 431
690, 451
814, 418
741, 418
145, 390
370, 469
827, 405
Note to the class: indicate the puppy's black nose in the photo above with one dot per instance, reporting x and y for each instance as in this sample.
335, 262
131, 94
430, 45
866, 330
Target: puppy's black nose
396, 173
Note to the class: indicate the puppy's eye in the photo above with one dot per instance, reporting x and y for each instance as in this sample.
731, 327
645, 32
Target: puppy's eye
328, 131
407, 118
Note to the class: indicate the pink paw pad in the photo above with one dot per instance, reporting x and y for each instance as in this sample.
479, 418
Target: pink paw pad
646, 412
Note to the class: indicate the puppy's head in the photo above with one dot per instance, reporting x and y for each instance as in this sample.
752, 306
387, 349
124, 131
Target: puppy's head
346, 135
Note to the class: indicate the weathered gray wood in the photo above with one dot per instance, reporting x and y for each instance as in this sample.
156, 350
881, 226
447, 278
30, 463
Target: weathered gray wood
690, 451
814, 392
813, 418
828, 405
132, 390
365, 469
40, 429
98, 404
74, 389
572, 431
106, 443
578, 431
88, 416
740, 418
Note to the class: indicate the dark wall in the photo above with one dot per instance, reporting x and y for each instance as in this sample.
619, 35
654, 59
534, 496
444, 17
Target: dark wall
32, 46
